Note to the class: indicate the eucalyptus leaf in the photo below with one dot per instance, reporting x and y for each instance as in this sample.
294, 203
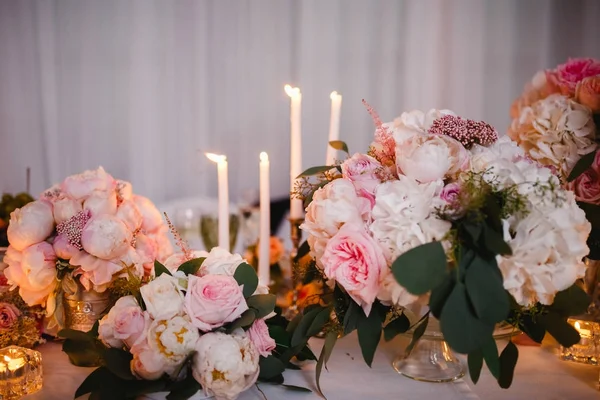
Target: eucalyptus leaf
264, 304
560, 329
295, 388
319, 322
592, 212
293, 325
508, 361
339, 145
75, 335
494, 241
192, 266
160, 269
303, 250
490, 355
440, 294
582, 165
369, 334
463, 331
94, 381
270, 367
300, 333
417, 334
398, 325
486, 291
351, 317
532, 328
118, 362
245, 320
245, 275
571, 301
315, 170
328, 345
421, 268
475, 363
83, 354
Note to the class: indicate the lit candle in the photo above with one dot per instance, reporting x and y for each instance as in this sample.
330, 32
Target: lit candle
296, 209
223, 185
264, 249
334, 125
584, 333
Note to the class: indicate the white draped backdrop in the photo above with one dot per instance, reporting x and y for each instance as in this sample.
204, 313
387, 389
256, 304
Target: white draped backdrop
143, 87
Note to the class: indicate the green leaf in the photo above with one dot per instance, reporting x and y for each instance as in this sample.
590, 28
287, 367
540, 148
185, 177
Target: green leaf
246, 275
486, 290
339, 145
421, 268
94, 331
395, 327
494, 241
463, 331
303, 250
118, 362
328, 346
417, 334
508, 361
582, 165
473, 229
571, 301
83, 353
440, 294
77, 336
369, 334
279, 334
319, 322
351, 317
160, 269
560, 329
475, 363
136, 388
295, 388
264, 304
94, 382
190, 267
315, 170
245, 320
293, 325
300, 333
270, 367
534, 329
592, 212
490, 355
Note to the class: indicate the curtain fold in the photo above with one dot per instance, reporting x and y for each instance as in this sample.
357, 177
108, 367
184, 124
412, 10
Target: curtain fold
145, 87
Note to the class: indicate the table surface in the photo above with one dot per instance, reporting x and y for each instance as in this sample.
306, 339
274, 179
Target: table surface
539, 375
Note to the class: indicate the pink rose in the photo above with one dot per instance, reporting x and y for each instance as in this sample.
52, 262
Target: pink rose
130, 215
430, 157
148, 364
362, 170
450, 193
587, 185
355, 261
125, 323
8, 315
64, 208
101, 203
152, 218
588, 93
30, 224
33, 270
567, 75
81, 186
106, 236
212, 301
259, 335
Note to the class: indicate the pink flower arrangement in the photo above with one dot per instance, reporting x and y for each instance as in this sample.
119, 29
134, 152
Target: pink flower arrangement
89, 227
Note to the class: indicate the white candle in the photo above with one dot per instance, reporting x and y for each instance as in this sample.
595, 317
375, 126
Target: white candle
296, 208
264, 250
223, 213
334, 125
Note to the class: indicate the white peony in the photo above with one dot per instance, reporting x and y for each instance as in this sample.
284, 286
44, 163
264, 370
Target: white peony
415, 122
163, 297
173, 339
220, 262
225, 365
148, 364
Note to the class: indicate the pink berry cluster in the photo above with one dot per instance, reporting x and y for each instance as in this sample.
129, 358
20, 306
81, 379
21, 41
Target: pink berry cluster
466, 131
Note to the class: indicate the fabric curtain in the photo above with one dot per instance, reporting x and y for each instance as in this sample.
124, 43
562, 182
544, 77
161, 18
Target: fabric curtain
145, 87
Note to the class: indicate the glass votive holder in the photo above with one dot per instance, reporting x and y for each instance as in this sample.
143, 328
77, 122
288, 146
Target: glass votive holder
587, 351
20, 372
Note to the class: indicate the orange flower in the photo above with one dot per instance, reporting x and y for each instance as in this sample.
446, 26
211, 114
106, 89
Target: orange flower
588, 92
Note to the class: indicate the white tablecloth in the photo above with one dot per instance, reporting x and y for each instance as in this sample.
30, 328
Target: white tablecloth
540, 375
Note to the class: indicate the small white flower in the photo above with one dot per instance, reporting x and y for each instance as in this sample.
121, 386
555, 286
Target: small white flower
220, 262
163, 297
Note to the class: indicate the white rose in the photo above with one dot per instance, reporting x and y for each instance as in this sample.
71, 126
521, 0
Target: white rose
163, 297
30, 224
173, 339
225, 365
220, 262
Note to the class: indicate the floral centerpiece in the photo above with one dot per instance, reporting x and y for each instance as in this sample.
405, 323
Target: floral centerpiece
441, 219
201, 323
556, 120
81, 236
20, 325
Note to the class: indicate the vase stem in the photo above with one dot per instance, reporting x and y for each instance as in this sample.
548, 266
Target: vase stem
430, 361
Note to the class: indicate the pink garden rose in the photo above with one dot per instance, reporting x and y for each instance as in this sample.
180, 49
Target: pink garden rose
587, 185
125, 323
588, 93
8, 315
450, 193
259, 335
30, 224
106, 237
355, 261
147, 363
566, 76
33, 270
362, 171
83, 185
152, 217
212, 301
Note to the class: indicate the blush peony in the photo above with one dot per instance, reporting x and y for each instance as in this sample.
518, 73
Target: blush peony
30, 224
83, 185
106, 237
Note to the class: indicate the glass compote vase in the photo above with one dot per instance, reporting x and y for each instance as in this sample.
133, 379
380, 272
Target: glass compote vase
209, 231
432, 359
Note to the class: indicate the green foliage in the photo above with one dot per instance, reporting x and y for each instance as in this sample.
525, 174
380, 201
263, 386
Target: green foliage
263, 304
246, 276
475, 363
270, 367
418, 333
339, 145
508, 361
396, 326
330, 340
421, 268
244, 321
369, 333
160, 269
582, 165
315, 170
192, 266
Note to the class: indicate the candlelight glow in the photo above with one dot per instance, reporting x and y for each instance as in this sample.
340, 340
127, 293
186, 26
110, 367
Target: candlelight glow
577, 325
216, 157
334, 95
291, 91
264, 156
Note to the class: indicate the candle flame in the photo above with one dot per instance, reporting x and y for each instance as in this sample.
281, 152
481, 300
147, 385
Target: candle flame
291, 91
7, 358
264, 156
216, 157
577, 325
334, 95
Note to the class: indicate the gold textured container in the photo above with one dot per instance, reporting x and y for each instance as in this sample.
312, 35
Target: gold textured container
84, 308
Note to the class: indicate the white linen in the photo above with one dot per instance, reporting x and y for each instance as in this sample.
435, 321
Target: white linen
540, 375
